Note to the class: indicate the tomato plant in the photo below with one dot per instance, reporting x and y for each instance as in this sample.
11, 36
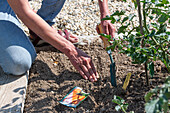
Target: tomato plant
147, 41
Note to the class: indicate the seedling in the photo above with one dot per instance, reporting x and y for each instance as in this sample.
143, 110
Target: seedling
121, 104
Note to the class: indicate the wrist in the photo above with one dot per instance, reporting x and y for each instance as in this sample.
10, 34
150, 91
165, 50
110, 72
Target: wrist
104, 9
104, 14
70, 51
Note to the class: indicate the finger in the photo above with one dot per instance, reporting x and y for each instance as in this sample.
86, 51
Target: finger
81, 72
60, 32
91, 71
85, 70
106, 29
67, 34
73, 38
112, 31
94, 70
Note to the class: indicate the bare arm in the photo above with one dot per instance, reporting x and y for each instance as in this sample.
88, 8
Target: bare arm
39, 26
104, 10
81, 61
106, 24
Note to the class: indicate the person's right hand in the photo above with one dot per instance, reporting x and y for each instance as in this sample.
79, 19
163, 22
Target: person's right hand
84, 65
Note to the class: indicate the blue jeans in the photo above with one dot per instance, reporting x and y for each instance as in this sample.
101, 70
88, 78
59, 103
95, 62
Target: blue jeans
16, 51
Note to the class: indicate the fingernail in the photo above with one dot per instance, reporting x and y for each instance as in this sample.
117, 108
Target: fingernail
98, 75
85, 78
92, 80
95, 79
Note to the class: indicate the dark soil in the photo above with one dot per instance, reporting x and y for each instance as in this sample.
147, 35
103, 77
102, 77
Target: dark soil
52, 76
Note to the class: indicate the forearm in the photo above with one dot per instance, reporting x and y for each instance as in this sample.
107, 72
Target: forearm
39, 26
104, 10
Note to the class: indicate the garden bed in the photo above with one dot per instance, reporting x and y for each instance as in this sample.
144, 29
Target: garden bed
52, 76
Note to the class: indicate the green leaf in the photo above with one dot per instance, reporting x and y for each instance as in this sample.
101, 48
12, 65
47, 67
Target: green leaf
106, 36
117, 108
153, 1
152, 33
165, 107
118, 13
131, 16
159, 5
148, 96
165, 2
155, 25
125, 106
124, 19
113, 20
151, 17
113, 46
162, 28
151, 106
163, 18
116, 100
121, 29
151, 68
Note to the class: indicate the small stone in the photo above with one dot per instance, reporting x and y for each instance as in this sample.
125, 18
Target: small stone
158, 68
125, 63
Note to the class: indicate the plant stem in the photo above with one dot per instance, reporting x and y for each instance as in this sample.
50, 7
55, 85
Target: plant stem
163, 49
146, 73
168, 68
144, 17
142, 32
140, 17
123, 110
155, 41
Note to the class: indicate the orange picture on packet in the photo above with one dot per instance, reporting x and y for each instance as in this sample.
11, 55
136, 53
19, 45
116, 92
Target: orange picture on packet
74, 97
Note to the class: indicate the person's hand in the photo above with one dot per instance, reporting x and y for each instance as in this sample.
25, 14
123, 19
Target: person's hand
68, 36
84, 65
108, 28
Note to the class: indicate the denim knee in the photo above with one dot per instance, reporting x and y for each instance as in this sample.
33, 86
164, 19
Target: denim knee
18, 60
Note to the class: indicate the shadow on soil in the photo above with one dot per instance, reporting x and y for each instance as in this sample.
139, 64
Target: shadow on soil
55, 87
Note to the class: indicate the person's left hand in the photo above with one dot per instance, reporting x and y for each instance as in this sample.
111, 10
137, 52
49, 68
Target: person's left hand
108, 28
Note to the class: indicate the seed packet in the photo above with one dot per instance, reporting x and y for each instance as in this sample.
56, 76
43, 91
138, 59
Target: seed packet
74, 97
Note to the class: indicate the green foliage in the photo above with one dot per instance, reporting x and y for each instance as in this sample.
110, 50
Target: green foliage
158, 99
121, 104
153, 44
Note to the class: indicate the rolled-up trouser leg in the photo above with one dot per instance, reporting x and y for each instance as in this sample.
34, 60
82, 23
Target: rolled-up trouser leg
49, 10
